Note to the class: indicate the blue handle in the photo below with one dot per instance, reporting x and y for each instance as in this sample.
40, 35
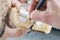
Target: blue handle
40, 4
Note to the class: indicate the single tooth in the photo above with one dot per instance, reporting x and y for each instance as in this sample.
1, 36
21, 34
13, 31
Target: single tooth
21, 19
24, 13
42, 27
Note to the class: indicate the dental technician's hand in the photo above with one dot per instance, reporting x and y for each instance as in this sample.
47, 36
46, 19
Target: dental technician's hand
49, 13
15, 32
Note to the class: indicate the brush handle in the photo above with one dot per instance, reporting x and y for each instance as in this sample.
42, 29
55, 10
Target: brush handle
40, 4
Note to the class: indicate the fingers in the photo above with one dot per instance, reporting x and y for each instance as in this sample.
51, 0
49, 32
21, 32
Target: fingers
22, 1
9, 4
12, 3
46, 17
17, 5
20, 32
14, 32
43, 16
33, 5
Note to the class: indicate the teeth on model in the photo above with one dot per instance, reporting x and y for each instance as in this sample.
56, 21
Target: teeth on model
42, 27
3, 12
18, 20
21, 20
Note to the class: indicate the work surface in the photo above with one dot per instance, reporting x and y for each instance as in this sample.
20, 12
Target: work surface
54, 35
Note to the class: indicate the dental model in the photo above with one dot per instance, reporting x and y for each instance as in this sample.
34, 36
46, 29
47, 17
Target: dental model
20, 19
42, 27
